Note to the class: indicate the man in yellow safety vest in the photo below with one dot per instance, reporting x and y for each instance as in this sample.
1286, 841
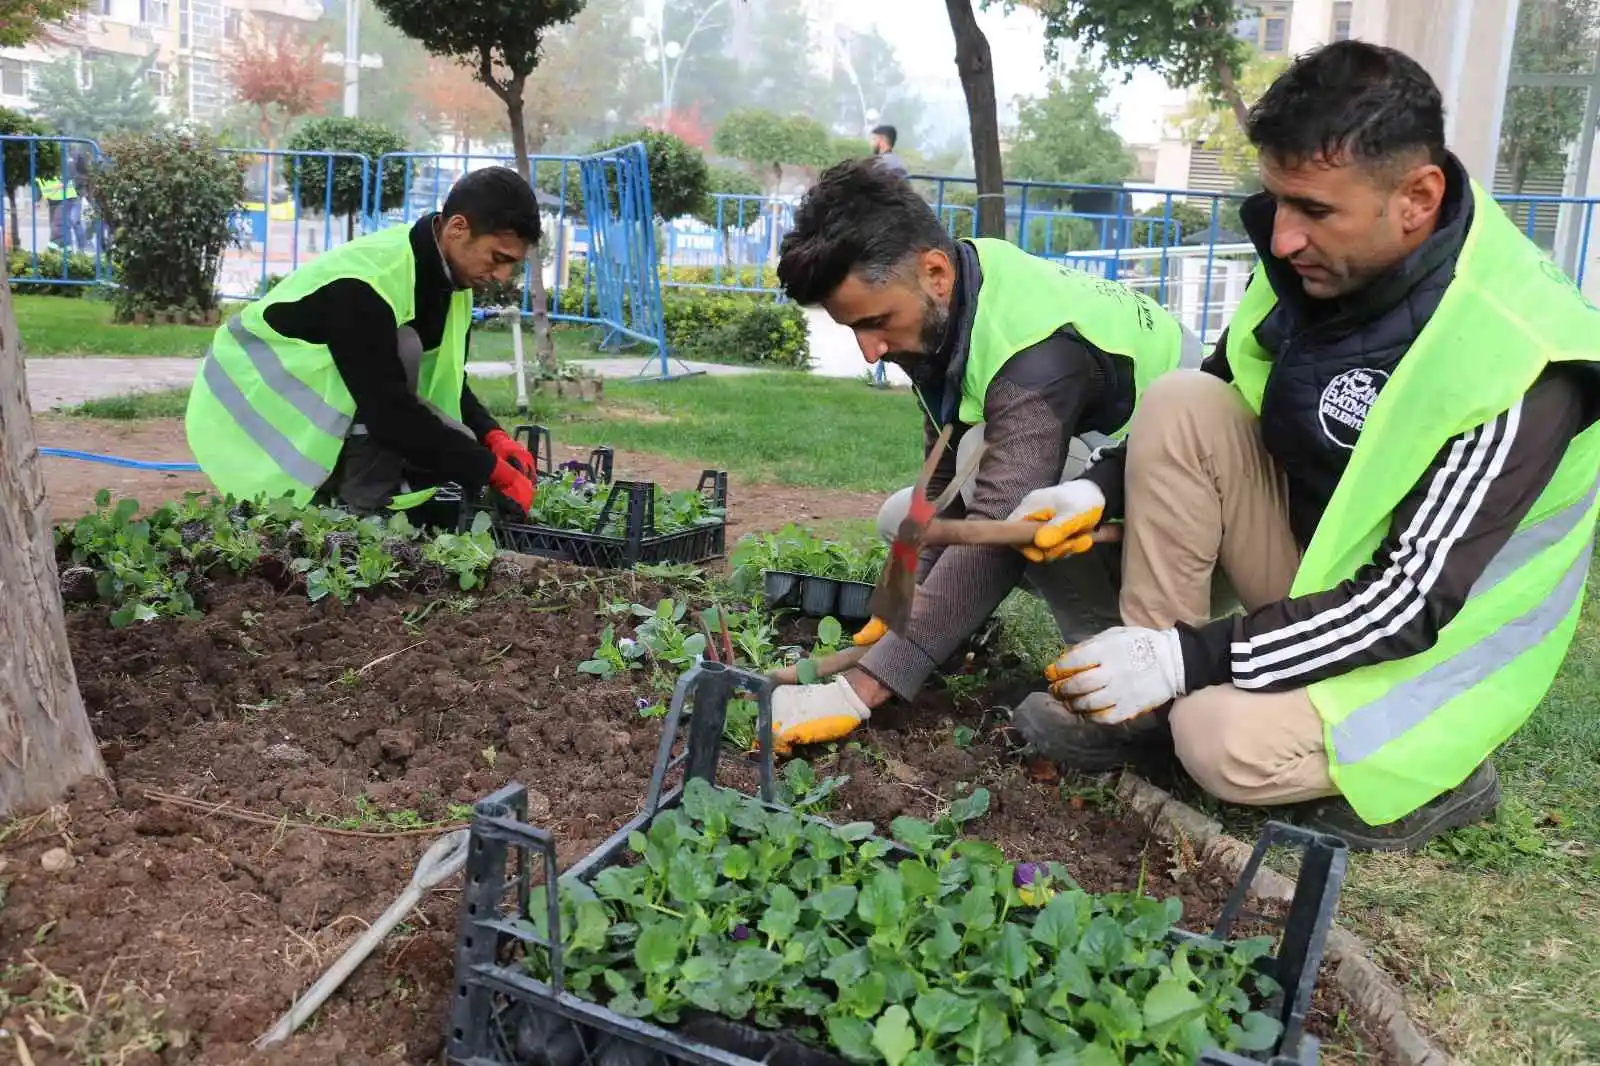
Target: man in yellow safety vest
347, 382
1393, 458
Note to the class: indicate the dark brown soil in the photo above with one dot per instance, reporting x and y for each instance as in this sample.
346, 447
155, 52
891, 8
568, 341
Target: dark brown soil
177, 936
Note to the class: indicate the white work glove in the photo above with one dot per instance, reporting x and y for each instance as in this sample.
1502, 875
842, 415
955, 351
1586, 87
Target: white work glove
1070, 510
815, 714
1120, 674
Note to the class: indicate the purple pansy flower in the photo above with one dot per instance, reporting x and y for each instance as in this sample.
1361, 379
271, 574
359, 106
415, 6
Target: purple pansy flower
740, 932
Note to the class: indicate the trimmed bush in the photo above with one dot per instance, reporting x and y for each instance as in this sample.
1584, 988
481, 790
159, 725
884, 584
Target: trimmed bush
21, 267
679, 177
169, 199
721, 326
350, 198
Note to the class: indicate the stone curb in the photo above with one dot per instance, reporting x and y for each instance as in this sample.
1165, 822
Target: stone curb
1369, 990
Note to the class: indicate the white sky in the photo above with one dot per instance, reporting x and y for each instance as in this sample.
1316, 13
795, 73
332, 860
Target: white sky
920, 33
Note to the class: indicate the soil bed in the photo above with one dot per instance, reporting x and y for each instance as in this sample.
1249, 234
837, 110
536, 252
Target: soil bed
178, 936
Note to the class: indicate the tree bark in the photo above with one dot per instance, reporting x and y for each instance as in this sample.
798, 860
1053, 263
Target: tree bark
974, 64
1231, 95
46, 743
544, 345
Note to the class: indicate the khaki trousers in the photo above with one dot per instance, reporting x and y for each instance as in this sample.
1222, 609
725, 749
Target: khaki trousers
1203, 493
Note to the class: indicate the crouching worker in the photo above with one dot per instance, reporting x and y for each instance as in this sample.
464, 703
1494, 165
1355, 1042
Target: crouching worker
1393, 459
1018, 354
346, 384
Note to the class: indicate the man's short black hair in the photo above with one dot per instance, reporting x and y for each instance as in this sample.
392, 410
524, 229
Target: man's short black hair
1371, 104
858, 217
888, 133
495, 200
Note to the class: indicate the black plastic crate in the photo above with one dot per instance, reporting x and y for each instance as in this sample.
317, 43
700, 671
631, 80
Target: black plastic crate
500, 1016
537, 439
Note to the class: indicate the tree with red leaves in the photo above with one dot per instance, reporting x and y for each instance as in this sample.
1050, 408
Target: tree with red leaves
281, 74
685, 124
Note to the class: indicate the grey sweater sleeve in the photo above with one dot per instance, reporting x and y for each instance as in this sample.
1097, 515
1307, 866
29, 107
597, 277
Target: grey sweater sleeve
1031, 413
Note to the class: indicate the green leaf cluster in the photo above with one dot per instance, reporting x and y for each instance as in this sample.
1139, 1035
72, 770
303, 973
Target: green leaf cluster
797, 550
351, 194
940, 952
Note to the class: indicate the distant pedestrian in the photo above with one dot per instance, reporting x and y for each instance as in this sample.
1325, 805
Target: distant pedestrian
883, 142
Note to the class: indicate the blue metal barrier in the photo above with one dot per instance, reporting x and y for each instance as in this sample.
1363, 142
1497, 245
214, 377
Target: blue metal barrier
253, 222
733, 249
622, 250
71, 251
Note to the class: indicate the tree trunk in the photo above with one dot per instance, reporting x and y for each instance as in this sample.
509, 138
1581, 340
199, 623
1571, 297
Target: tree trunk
16, 223
976, 68
544, 345
1230, 93
46, 744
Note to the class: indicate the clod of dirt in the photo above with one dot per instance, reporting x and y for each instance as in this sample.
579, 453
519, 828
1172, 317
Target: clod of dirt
285, 755
56, 860
78, 585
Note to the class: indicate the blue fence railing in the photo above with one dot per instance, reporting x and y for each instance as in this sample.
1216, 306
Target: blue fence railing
1182, 246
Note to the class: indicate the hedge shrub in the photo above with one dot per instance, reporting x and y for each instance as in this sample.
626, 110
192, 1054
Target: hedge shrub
21, 267
718, 325
350, 197
168, 199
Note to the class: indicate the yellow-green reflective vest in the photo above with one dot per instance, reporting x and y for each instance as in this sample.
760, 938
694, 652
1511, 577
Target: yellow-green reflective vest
1400, 733
53, 189
1025, 299
268, 414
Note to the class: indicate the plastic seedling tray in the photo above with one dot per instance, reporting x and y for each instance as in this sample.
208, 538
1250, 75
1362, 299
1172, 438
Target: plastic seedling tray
500, 1015
781, 588
819, 596
537, 439
638, 543
855, 600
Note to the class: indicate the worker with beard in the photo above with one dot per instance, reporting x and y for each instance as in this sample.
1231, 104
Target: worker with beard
1019, 354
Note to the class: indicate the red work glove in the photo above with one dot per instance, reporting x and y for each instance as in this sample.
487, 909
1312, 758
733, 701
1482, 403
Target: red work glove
513, 484
506, 449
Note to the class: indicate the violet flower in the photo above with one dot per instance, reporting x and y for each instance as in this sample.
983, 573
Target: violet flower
741, 932
1029, 872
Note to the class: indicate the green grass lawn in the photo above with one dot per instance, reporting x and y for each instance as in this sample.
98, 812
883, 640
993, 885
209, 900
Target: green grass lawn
64, 326
779, 427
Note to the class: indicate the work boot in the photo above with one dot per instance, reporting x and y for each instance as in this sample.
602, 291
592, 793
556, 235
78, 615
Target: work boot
1077, 743
1474, 800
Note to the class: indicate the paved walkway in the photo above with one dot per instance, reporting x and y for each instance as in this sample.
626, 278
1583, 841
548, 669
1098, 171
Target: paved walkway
70, 382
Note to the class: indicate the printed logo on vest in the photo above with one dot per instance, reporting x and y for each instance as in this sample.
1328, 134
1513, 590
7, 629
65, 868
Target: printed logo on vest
1345, 403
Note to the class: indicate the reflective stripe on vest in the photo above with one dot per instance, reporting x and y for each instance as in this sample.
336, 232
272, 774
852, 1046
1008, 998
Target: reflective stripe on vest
263, 434
1409, 703
272, 373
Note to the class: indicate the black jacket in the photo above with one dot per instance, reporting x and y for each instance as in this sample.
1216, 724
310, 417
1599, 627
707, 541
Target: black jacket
1330, 361
359, 329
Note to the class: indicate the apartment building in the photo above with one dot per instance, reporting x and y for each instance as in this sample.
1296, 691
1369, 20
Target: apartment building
184, 41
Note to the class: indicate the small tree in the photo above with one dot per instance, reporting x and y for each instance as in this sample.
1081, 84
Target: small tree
169, 199
1066, 135
1213, 125
281, 76
1540, 123
500, 41
454, 102
351, 195
767, 142
22, 21
25, 161
1189, 42
724, 181
679, 176
115, 97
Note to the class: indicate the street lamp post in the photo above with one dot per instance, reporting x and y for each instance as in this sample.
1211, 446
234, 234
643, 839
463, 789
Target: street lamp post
674, 51
352, 59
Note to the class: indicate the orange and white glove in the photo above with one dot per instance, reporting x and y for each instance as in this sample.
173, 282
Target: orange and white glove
870, 633
815, 714
1119, 674
1070, 510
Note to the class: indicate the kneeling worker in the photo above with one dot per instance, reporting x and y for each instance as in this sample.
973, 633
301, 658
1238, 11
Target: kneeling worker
1019, 354
346, 384
1393, 458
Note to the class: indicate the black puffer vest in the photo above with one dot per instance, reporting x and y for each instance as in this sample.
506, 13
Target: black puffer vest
1330, 358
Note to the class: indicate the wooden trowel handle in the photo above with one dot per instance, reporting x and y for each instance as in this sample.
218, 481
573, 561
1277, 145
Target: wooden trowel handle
980, 531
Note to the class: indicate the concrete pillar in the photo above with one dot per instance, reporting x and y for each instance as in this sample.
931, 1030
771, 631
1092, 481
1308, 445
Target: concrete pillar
1466, 46
1310, 25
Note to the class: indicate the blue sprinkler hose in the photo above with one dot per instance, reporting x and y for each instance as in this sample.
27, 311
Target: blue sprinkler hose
116, 460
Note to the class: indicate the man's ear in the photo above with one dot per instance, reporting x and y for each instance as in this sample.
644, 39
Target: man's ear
1421, 196
938, 273
457, 226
